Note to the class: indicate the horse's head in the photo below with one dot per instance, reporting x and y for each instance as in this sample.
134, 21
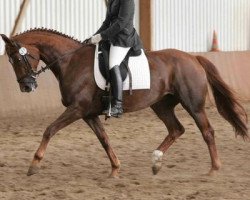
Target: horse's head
24, 60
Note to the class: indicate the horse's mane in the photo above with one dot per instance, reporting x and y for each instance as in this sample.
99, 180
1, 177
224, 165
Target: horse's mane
45, 30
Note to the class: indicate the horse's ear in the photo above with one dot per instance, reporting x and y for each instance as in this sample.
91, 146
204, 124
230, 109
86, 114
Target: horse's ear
6, 39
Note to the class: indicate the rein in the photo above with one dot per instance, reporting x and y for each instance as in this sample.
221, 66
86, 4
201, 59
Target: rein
47, 67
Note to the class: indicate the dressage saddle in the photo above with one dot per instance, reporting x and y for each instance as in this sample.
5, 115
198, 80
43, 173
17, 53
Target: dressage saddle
103, 58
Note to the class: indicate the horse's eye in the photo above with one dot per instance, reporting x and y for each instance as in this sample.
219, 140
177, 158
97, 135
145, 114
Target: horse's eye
17, 59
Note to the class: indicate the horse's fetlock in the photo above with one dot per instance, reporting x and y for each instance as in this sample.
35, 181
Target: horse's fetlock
216, 167
116, 166
38, 157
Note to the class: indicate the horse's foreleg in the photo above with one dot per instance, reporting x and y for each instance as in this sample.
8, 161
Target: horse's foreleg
68, 117
175, 130
96, 125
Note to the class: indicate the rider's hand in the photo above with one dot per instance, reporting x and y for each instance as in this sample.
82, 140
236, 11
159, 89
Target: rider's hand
95, 39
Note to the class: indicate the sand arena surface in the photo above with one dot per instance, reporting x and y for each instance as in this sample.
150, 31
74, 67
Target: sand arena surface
76, 166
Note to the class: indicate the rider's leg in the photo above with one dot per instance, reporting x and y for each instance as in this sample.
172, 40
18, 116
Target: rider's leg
116, 56
117, 90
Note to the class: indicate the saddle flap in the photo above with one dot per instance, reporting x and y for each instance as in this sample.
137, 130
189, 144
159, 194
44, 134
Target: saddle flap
138, 66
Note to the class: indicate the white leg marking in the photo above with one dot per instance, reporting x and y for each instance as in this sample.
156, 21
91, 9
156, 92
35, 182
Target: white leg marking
157, 156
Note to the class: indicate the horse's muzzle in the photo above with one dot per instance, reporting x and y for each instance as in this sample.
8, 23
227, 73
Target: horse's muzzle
28, 84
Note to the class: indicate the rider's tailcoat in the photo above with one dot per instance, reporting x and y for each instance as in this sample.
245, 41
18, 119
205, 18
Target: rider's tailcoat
118, 26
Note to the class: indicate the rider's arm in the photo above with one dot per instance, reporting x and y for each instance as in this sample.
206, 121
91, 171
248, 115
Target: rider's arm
125, 14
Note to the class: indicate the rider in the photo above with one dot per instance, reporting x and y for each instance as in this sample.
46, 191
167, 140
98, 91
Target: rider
119, 29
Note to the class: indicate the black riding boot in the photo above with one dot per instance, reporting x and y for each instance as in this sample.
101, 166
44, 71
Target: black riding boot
117, 86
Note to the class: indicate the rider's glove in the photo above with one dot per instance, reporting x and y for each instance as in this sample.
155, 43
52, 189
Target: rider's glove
95, 39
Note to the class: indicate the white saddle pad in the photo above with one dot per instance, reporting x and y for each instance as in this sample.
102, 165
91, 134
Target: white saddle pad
139, 68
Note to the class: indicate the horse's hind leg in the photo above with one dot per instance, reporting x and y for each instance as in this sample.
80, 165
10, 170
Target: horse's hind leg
192, 91
96, 125
165, 111
207, 131
193, 100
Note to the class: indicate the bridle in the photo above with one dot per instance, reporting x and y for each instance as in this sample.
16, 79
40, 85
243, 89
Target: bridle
28, 68
30, 72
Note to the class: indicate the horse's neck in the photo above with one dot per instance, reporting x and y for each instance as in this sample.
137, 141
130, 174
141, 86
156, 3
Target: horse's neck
51, 47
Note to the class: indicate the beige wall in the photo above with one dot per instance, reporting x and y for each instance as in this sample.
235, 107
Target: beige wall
188, 25
233, 66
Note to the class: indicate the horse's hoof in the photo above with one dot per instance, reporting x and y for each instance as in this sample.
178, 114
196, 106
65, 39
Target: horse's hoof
32, 170
156, 168
114, 174
212, 172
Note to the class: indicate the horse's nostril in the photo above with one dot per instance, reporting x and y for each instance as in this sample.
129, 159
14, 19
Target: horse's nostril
26, 88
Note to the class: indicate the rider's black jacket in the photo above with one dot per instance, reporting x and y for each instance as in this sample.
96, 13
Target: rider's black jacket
118, 26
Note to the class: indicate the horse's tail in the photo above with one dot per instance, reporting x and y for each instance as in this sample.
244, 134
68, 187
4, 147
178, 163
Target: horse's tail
226, 103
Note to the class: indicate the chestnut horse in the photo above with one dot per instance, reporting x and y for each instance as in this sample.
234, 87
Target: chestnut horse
176, 77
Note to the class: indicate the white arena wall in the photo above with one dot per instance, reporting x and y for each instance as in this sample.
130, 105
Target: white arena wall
78, 18
188, 25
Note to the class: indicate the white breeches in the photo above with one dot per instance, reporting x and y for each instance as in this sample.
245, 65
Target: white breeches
116, 55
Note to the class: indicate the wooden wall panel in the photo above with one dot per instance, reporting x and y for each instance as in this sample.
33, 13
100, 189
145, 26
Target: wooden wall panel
145, 23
